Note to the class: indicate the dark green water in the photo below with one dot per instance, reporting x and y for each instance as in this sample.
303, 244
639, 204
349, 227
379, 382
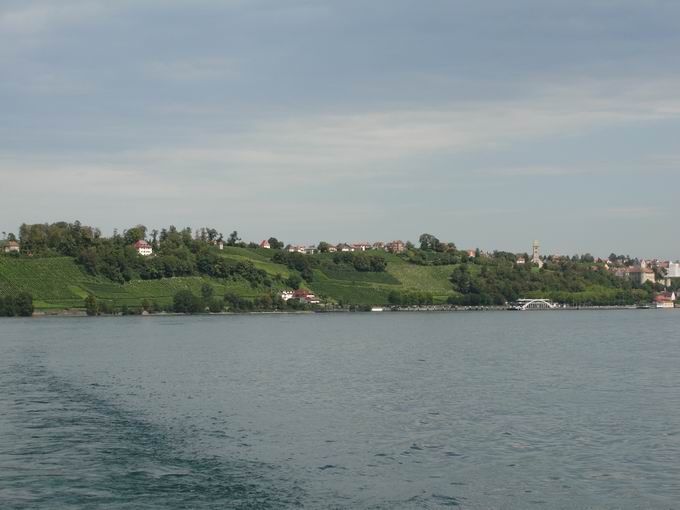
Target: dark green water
476, 410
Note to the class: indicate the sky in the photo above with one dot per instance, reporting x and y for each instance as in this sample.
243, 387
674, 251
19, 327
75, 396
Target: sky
486, 123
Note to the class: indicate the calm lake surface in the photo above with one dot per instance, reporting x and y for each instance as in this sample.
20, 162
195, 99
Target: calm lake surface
478, 410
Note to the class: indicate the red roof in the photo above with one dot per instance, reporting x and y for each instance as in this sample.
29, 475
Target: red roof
142, 244
302, 293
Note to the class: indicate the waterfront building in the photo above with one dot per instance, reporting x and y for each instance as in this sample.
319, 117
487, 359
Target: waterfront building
665, 300
305, 295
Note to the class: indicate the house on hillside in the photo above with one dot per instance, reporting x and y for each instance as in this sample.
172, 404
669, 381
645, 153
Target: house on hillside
143, 248
306, 295
12, 247
344, 247
396, 246
379, 245
363, 246
287, 294
295, 248
332, 249
265, 244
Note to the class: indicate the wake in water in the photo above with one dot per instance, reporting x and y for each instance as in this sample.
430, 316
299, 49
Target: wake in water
63, 447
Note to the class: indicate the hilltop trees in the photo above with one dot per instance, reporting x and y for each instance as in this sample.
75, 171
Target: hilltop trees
275, 244
428, 242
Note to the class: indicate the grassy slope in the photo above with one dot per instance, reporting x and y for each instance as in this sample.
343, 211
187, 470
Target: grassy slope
58, 283
374, 288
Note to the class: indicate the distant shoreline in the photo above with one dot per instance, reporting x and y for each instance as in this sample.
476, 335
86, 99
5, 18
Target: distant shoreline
425, 309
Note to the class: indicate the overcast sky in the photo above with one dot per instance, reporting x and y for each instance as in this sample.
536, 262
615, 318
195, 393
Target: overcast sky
486, 123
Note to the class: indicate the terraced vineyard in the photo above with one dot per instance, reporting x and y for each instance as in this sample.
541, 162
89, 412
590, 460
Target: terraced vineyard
59, 283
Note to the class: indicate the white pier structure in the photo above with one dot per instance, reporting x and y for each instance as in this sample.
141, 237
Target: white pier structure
533, 304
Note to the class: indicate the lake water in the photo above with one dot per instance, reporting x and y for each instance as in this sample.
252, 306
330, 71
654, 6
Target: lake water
508, 410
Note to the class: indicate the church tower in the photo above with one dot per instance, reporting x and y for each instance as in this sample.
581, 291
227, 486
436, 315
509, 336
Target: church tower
535, 254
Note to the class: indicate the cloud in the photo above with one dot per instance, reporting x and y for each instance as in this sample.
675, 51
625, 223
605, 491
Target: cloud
193, 69
38, 17
632, 212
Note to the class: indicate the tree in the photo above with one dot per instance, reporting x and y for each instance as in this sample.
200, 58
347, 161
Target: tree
428, 242
294, 281
207, 291
275, 244
216, 305
23, 304
135, 234
91, 305
323, 247
233, 238
185, 301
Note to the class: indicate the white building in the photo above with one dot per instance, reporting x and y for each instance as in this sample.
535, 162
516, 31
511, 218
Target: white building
143, 248
674, 270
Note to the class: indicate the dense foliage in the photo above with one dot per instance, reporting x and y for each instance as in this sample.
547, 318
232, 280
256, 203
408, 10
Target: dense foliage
20, 305
176, 252
496, 280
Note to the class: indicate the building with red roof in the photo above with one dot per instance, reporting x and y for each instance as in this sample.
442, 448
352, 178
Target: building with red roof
143, 248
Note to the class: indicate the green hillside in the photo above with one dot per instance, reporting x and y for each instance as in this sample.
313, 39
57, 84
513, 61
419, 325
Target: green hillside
59, 283
62, 264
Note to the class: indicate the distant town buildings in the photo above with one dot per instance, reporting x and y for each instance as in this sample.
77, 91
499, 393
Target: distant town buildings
640, 275
265, 244
143, 248
673, 270
396, 247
